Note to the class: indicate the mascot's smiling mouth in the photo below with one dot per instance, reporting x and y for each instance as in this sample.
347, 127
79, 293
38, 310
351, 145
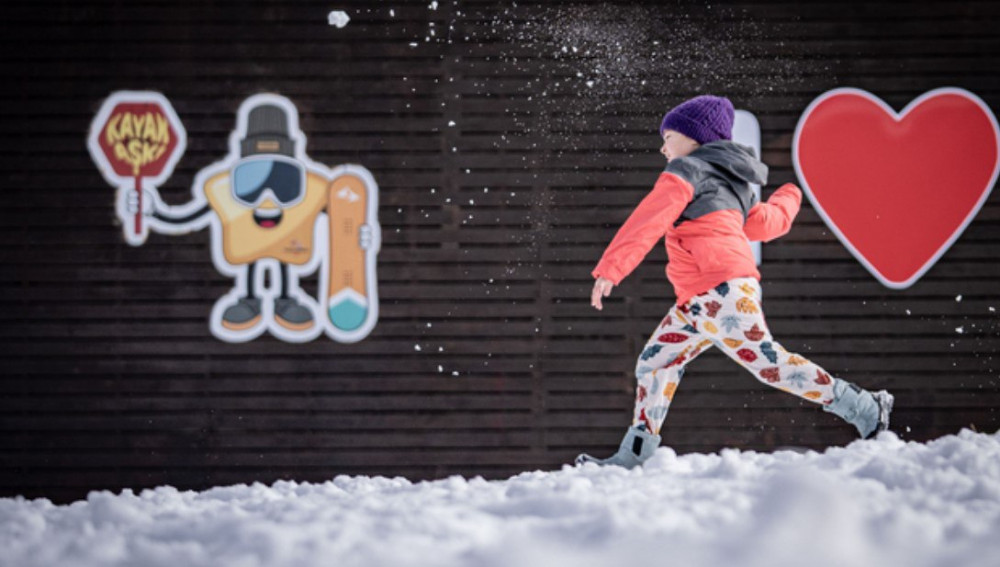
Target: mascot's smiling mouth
267, 218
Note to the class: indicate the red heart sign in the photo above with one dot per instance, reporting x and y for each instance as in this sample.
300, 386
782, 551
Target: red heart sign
897, 189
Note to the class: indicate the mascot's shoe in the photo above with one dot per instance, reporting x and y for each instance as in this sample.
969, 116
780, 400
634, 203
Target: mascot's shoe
867, 412
242, 315
637, 447
291, 314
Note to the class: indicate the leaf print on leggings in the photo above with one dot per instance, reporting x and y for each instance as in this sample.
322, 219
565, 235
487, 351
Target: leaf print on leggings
667, 321
669, 391
754, 334
772, 375
650, 352
712, 308
798, 379
747, 305
796, 360
730, 323
643, 418
677, 361
722, 289
672, 338
767, 349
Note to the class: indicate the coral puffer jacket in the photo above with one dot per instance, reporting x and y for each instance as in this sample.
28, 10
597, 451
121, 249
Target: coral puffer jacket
703, 251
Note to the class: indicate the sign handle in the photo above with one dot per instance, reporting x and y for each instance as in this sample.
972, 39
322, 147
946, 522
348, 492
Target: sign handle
138, 212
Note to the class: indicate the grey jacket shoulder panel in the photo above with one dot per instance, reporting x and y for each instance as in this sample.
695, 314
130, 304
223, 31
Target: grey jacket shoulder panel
690, 169
733, 159
721, 173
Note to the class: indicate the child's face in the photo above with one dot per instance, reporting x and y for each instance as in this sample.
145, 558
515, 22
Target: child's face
676, 145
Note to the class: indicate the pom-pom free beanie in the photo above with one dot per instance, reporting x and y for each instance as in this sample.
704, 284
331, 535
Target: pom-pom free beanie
704, 119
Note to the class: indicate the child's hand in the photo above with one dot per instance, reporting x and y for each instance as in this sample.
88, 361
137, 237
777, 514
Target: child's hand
602, 288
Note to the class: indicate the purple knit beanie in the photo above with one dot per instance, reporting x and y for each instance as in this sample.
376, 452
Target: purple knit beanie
704, 119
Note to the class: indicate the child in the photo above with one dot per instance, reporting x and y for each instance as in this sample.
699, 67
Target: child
704, 206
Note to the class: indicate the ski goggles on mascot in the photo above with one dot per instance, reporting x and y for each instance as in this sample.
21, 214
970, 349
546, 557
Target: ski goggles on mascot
256, 177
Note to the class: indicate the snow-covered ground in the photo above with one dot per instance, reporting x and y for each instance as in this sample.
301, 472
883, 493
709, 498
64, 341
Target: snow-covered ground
881, 503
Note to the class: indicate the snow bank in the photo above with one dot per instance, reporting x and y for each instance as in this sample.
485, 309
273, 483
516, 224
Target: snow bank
881, 503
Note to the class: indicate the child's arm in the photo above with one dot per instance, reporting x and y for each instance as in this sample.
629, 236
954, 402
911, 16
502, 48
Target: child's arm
767, 221
645, 226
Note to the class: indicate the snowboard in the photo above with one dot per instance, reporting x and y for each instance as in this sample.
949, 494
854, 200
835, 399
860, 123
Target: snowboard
347, 205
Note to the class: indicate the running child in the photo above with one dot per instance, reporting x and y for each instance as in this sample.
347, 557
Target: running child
704, 208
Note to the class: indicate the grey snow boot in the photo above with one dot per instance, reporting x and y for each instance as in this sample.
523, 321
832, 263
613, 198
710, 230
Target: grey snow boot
885, 401
637, 446
245, 313
867, 412
292, 315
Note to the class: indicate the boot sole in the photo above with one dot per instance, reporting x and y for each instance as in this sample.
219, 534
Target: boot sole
241, 326
293, 326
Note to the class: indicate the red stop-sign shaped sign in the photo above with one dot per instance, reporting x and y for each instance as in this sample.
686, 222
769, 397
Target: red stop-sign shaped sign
137, 139
136, 134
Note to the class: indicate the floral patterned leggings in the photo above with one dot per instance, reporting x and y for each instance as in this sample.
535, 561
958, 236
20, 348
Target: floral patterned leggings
729, 317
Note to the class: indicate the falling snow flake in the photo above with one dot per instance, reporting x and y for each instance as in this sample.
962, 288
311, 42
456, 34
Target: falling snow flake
338, 18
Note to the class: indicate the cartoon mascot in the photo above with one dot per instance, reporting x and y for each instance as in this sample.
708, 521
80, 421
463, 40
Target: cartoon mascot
273, 211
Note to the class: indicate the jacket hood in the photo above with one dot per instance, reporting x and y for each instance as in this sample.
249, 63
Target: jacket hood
736, 159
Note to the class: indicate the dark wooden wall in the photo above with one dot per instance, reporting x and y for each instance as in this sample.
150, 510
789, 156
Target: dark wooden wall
487, 359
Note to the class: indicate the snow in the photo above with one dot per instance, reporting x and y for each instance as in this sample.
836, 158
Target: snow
882, 503
338, 18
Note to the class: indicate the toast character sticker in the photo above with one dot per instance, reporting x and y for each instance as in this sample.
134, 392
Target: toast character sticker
274, 211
